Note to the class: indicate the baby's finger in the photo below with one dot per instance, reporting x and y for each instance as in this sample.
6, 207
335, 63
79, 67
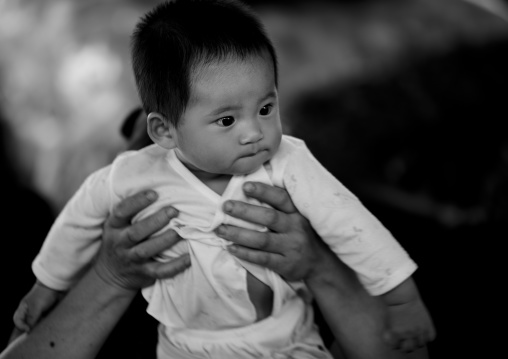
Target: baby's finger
155, 245
124, 211
20, 318
141, 230
276, 197
391, 339
420, 340
408, 345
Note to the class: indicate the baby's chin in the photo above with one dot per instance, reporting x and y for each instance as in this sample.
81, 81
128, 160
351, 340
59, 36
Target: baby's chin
247, 170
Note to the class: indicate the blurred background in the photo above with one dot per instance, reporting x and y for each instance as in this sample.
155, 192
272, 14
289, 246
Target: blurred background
403, 100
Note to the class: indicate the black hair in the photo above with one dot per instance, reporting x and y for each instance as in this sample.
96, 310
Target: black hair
176, 37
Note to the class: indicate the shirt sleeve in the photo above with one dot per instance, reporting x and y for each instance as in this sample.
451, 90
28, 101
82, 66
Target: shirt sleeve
74, 238
340, 219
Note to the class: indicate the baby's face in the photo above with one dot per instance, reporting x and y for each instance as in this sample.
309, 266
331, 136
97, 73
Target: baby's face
231, 124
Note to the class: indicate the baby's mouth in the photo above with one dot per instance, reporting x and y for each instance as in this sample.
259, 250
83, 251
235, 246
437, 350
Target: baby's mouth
254, 153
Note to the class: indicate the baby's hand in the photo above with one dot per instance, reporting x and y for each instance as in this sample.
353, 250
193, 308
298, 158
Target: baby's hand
34, 305
410, 326
409, 323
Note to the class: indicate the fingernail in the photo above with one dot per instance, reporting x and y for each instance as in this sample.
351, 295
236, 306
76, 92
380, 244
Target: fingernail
228, 206
232, 249
248, 187
151, 195
171, 212
219, 230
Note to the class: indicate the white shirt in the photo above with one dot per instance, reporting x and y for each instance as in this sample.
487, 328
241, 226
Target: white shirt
212, 293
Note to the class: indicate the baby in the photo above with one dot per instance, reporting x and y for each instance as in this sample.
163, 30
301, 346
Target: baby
206, 74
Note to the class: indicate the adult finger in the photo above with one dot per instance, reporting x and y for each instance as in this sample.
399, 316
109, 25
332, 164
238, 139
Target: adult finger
245, 237
276, 197
143, 229
158, 270
268, 217
155, 245
124, 211
264, 259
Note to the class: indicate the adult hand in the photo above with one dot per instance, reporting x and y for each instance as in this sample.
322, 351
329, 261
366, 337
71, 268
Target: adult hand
125, 259
78, 326
290, 248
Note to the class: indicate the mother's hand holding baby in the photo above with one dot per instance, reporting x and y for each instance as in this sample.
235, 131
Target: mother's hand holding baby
292, 249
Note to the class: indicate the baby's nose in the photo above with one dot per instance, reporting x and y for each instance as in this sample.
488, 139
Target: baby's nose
252, 133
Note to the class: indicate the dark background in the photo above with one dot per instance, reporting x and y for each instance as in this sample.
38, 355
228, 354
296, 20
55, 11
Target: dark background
404, 101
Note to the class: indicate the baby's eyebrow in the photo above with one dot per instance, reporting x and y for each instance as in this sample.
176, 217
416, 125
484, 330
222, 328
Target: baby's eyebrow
271, 94
222, 109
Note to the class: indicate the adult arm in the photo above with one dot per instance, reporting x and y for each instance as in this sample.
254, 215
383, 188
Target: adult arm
82, 321
292, 249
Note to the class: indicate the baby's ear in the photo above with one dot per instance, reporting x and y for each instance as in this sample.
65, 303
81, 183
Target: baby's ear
160, 130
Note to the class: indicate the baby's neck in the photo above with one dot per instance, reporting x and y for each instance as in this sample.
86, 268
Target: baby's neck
216, 182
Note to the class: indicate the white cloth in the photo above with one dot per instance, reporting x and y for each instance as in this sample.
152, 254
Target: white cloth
212, 294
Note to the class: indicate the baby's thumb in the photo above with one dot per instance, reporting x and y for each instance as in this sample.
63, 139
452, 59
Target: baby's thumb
390, 338
21, 317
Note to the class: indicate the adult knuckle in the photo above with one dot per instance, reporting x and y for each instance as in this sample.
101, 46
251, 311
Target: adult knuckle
120, 210
271, 216
264, 241
139, 254
151, 272
132, 235
263, 260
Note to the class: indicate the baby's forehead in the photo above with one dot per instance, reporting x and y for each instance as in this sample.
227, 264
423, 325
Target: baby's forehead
225, 64
208, 76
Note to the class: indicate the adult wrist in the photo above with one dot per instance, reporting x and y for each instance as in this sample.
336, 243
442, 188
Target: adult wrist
331, 273
323, 265
108, 281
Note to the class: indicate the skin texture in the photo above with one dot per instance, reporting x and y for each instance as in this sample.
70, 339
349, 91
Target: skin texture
231, 125
80, 323
35, 304
409, 323
292, 249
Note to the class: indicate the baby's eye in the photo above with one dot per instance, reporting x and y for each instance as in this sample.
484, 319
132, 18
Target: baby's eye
226, 121
266, 110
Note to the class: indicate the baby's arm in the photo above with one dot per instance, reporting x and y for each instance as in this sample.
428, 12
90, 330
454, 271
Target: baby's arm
363, 243
38, 301
409, 323
67, 250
